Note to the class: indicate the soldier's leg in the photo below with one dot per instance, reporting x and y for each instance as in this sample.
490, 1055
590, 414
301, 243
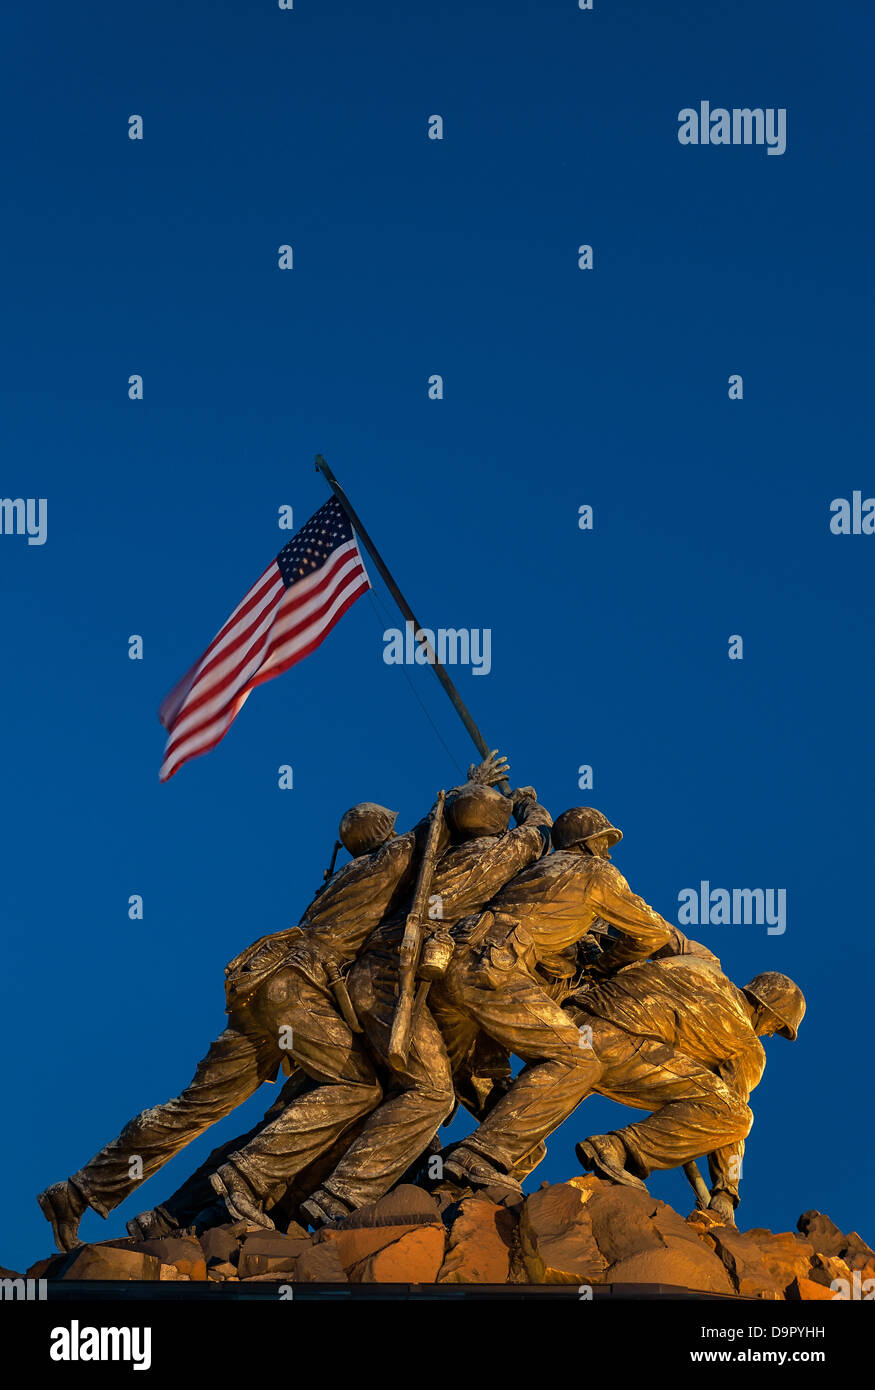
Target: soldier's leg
694, 1112
724, 1167
520, 1016
301, 1015
481, 1071
416, 1101
196, 1193
461, 1037
288, 1207
304, 1017
698, 1117
234, 1067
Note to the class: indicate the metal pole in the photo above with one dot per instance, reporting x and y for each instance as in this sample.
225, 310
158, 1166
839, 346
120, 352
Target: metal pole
697, 1182
458, 703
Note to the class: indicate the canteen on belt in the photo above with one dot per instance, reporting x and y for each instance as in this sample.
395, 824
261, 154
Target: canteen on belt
437, 952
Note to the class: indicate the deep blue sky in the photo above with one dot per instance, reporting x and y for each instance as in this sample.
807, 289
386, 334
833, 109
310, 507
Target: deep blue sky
562, 387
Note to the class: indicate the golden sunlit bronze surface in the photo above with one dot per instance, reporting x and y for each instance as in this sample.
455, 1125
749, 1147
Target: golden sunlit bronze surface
419, 970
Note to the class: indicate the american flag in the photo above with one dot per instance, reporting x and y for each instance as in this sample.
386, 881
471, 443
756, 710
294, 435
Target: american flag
286, 614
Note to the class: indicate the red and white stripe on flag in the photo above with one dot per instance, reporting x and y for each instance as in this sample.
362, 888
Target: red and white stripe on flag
286, 614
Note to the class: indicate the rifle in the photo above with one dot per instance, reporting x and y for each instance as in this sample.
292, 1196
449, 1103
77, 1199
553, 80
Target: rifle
329, 872
411, 945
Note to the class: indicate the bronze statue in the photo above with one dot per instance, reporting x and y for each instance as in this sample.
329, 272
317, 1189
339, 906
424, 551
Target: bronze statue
498, 979
675, 1036
281, 997
531, 944
419, 1097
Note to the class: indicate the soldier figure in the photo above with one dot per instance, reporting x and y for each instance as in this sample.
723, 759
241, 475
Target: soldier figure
676, 1036
282, 998
485, 856
657, 1026
499, 981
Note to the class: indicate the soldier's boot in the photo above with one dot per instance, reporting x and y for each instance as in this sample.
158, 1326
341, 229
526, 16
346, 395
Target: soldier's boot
473, 1169
527, 1165
63, 1205
722, 1205
322, 1208
605, 1154
152, 1224
241, 1200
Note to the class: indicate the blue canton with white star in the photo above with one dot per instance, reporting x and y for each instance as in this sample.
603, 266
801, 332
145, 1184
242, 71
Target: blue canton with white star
309, 549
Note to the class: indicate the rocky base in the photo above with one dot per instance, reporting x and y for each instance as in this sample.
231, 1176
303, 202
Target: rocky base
584, 1232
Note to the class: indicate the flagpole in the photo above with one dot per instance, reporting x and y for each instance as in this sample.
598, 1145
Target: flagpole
440, 671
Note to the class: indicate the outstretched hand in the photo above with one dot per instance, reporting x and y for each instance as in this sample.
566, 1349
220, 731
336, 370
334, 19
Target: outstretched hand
492, 769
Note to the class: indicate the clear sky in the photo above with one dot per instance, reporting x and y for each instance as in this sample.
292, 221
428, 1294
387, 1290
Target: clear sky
562, 388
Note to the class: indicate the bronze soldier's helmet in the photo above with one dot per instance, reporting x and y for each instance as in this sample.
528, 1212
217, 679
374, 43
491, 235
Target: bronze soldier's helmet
784, 998
363, 828
476, 810
581, 823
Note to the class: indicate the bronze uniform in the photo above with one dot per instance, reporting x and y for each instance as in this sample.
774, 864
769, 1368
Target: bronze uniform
674, 1036
495, 983
280, 1006
419, 1099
